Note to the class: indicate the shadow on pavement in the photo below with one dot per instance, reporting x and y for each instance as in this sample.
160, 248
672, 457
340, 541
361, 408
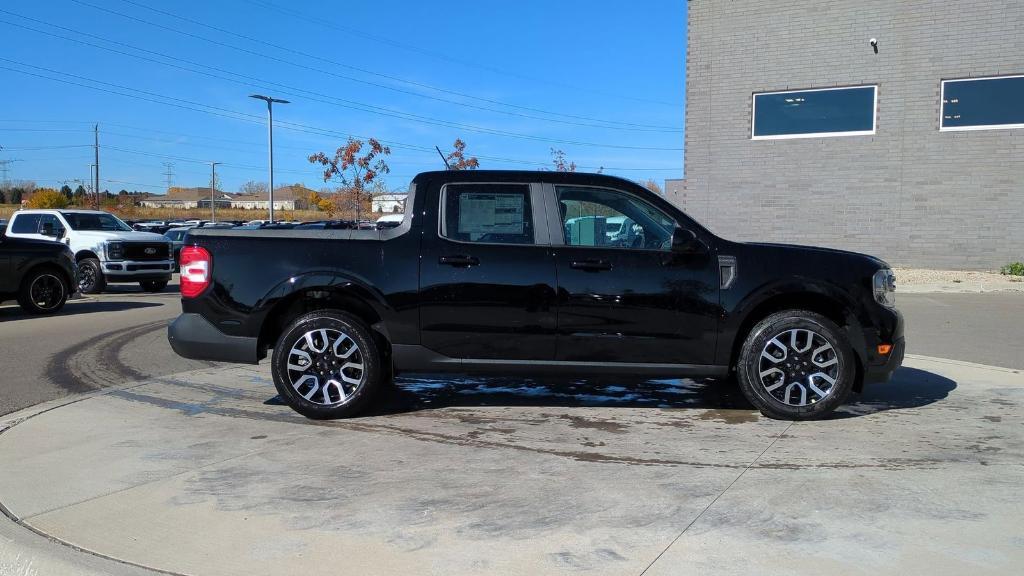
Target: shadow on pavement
74, 308
909, 388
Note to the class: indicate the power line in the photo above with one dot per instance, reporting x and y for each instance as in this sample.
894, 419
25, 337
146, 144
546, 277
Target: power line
190, 105
311, 95
413, 48
350, 67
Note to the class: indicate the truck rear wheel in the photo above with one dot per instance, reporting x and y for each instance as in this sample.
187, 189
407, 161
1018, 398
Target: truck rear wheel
796, 365
326, 365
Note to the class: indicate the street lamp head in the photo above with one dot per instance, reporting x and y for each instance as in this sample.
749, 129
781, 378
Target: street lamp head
268, 99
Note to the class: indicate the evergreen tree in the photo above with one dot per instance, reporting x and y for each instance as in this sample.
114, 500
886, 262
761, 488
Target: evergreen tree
66, 191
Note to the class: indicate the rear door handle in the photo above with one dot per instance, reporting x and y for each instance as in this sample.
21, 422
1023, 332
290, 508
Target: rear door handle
591, 265
461, 260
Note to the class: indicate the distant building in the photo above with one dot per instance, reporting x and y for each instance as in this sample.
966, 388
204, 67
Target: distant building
184, 198
389, 203
294, 197
798, 129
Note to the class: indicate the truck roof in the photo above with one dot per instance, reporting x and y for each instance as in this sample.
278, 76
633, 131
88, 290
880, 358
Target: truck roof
522, 176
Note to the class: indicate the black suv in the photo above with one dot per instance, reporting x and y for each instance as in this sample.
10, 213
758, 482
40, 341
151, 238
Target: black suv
537, 272
40, 274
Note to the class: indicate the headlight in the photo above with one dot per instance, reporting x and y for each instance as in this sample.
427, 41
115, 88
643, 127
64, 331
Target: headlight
115, 251
884, 285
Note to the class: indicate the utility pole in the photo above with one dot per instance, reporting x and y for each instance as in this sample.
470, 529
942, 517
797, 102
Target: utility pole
3, 169
270, 142
213, 191
93, 183
169, 175
96, 134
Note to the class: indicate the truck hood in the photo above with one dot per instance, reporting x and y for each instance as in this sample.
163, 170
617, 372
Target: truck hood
796, 249
101, 236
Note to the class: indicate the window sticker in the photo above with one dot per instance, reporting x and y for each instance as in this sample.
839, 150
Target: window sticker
491, 213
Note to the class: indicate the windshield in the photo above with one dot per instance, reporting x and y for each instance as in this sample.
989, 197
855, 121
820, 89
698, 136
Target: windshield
97, 221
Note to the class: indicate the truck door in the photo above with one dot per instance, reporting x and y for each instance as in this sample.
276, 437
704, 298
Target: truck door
487, 274
623, 295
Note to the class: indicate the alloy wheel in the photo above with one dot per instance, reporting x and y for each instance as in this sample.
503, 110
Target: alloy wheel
46, 291
325, 366
799, 367
86, 278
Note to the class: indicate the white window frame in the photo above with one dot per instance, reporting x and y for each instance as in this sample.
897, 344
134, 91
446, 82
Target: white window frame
874, 114
942, 106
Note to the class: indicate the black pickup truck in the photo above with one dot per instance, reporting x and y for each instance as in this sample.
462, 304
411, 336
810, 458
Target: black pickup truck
40, 274
537, 273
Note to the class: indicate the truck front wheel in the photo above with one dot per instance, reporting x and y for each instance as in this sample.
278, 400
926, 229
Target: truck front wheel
90, 276
796, 365
326, 365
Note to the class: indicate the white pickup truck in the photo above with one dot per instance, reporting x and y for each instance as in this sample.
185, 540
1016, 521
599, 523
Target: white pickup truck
106, 249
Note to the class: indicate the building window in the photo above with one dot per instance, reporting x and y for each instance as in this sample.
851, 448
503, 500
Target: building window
814, 113
982, 103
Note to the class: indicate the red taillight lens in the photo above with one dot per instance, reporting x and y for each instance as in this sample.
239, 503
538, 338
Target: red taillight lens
195, 271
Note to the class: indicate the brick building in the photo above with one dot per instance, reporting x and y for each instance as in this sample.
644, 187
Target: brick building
798, 129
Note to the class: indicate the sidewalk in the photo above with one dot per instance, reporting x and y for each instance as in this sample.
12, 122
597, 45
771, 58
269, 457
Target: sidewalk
204, 473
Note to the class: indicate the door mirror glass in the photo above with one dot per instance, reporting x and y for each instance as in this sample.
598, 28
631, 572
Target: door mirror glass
686, 242
47, 229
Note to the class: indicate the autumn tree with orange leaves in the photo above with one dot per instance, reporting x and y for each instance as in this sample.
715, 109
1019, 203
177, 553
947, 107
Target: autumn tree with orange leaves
356, 171
457, 159
561, 165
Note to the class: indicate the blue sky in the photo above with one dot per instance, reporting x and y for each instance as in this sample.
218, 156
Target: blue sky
168, 82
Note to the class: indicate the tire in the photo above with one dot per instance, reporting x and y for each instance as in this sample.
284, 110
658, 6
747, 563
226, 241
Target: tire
350, 390
153, 285
798, 352
90, 276
43, 291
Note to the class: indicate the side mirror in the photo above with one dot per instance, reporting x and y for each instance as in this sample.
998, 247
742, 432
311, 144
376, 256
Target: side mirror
48, 230
686, 242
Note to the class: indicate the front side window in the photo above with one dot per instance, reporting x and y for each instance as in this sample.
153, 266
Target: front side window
487, 213
814, 113
605, 218
95, 221
982, 103
26, 224
49, 221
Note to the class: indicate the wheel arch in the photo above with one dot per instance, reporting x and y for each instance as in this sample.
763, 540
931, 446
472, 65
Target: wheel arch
823, 300
72, 282
84, 254
347, 297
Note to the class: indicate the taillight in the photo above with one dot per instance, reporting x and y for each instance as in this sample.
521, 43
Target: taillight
195, 271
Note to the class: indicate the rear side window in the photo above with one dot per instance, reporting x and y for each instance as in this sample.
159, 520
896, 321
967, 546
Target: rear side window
25, 223
487, 213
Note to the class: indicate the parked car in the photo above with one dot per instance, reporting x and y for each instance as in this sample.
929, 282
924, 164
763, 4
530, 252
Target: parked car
485, 279
326, 225
39, 274
389, 221
177, 238
106, 249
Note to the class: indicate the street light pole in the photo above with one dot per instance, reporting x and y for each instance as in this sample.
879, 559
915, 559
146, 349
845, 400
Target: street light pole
270, 142
213, 191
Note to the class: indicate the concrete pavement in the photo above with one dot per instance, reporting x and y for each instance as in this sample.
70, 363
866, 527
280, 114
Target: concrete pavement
204, 472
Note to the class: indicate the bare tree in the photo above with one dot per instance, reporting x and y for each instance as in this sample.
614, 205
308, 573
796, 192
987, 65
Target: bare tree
253, 187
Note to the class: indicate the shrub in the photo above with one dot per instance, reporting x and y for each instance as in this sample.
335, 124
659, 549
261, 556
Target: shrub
47, 198
1013, 269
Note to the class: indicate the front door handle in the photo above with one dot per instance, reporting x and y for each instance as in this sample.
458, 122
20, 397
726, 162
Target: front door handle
460, 260
591, 265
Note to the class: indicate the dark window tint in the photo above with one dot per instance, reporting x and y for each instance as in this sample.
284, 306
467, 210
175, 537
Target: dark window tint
815, 112
26, 224
95, 221
492, 213
599, 217
988, 102
50, 221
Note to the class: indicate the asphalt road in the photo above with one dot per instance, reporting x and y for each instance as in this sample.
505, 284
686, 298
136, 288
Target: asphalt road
93, 342
983, 328
120, 337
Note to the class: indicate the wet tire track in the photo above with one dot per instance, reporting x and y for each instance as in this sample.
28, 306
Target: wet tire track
96, 363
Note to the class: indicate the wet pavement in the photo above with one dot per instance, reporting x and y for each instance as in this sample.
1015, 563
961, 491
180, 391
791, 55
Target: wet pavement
207, 472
